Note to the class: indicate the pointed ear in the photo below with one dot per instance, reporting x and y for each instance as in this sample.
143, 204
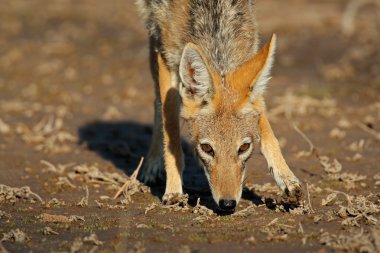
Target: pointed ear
265, 59
195, 75
254, 75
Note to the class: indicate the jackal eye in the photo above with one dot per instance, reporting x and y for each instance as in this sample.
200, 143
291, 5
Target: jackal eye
207, 149
243, 148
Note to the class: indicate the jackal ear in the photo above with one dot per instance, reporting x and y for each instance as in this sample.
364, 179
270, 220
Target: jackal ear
195, 75
263, 63
253, 76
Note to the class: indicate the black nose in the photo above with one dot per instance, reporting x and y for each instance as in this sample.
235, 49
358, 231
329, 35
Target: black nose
227, 204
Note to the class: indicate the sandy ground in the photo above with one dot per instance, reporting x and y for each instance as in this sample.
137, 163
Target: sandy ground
76, 112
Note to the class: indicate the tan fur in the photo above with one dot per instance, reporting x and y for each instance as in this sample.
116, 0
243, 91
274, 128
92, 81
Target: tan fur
169, 22
173, 155
179, 16
193, 107
234, 92
243, 79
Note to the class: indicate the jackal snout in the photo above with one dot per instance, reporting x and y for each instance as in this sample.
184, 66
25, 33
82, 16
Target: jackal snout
226, 183
227, 204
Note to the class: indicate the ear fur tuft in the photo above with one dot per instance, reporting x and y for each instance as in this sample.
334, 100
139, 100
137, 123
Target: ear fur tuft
259, 86
194, 73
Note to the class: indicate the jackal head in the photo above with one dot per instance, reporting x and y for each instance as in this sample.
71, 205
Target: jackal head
223, 116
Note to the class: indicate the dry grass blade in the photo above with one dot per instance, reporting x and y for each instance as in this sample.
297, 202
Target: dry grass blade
245, 212
348, 197
60, 168
369, 130
150, 207
132, 178
300, 229
48, 231
312, 150
93, 239
308, 198
274, 221
49, 165
84, 201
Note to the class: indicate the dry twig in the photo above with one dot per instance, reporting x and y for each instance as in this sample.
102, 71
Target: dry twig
308, 198
274, 221
132, 178
312, 150
84, 201
369, 130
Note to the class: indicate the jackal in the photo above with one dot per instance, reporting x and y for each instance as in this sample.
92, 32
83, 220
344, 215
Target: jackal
207, 69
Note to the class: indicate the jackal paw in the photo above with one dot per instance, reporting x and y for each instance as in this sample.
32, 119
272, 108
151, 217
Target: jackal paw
290, 186
152, 171
175, 198
293, 192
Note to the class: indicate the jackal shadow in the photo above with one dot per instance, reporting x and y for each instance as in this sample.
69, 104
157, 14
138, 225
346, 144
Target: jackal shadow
125, 142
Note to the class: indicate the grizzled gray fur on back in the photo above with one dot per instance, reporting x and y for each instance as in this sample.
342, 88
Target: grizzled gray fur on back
225, 30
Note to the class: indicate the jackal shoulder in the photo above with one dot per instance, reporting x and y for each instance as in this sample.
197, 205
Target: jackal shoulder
224, 30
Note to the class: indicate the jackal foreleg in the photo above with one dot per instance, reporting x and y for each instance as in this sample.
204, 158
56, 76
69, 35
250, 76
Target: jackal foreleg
270, 148
173, 154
